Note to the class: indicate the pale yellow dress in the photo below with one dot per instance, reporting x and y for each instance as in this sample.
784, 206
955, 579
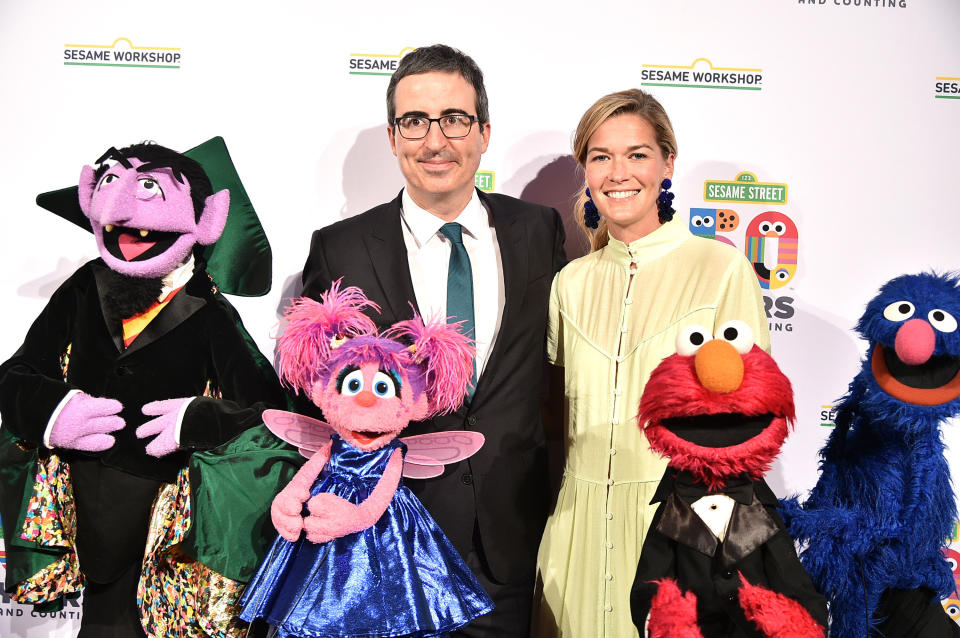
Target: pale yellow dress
611, 323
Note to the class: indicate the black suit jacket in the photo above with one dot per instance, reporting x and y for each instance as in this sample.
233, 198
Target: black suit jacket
504, 486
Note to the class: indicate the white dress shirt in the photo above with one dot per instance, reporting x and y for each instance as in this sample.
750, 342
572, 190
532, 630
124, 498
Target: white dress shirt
428, 253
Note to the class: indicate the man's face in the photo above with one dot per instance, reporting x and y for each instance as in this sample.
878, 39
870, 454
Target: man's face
439, 171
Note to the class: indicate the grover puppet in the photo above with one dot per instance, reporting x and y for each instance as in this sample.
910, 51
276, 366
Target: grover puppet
880, 514
717, 561
135, 363
365, 558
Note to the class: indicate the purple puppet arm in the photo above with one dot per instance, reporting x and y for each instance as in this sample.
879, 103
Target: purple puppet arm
84, 424
332, 516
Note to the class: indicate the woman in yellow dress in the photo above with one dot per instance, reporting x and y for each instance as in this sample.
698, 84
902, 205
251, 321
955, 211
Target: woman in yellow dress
614, 315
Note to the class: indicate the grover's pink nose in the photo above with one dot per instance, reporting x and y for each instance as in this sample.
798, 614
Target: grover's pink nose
915, 342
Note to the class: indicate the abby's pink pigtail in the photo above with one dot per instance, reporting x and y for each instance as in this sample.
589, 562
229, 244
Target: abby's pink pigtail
312, 330
446, 356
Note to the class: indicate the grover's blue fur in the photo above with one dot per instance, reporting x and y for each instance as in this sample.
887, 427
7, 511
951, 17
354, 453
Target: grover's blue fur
881, 511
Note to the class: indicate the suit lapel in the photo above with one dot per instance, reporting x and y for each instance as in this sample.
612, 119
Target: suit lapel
388, 254
512, 240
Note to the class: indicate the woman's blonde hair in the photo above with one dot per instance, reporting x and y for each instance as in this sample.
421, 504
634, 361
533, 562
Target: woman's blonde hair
631, 101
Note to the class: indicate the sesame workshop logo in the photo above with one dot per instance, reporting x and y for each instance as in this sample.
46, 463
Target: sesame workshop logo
376, 63
121, 53
484, 180
701, 74
947, 88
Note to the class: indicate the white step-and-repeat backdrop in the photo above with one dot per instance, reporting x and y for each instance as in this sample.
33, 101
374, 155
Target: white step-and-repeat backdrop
839, 117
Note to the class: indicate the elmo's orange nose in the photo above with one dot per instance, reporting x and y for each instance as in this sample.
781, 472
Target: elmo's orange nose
719, 366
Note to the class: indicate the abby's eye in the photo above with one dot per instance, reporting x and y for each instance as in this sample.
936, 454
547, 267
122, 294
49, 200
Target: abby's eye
352, 383
738, 334
383, 386
942, 320
148, 188
899, 311
690, 339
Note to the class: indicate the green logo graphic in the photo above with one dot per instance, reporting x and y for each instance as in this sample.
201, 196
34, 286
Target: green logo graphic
744, 189
484, 181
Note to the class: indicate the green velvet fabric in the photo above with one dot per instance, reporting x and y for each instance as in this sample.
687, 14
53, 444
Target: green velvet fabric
231, 489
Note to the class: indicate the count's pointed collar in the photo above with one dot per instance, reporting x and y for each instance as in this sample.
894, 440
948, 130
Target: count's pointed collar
648, 248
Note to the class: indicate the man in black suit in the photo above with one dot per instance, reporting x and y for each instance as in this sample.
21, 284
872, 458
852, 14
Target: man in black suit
492, 506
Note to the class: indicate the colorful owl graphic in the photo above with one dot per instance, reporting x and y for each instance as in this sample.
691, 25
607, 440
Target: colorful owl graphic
771, 246
952, 602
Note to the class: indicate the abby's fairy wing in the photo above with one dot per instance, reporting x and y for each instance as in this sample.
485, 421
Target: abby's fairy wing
305, 432
428, 453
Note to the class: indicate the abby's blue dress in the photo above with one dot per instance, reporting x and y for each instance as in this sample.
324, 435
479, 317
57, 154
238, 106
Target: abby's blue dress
399, 577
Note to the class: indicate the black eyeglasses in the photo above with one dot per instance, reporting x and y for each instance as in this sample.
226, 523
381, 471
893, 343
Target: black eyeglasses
415, 127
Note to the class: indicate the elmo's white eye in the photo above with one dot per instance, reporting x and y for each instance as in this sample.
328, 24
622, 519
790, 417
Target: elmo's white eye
738, 334
942, 320
383, 385
899, 311
352, 383
765, 227
690, 339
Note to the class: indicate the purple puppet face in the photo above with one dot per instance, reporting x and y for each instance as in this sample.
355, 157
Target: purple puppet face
144, 218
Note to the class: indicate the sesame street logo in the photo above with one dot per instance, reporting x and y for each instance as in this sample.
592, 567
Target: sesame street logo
121, 53
947, 88
701, 74
745, 189
376, 63
484, 180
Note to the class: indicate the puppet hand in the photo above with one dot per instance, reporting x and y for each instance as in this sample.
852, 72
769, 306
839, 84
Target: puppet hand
673, 614
84, 422
331, 517
167, 415
285, 511
776, 615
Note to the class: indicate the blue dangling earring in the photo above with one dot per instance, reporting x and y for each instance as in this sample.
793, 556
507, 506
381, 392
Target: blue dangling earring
591, 216
665, 202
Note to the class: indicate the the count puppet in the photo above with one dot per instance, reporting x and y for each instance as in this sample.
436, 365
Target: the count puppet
136, 363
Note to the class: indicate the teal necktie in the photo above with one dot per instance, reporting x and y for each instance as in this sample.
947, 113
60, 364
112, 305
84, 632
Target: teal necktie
460, 288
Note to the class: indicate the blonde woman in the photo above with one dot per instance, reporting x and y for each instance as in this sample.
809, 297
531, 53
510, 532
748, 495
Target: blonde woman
614, 314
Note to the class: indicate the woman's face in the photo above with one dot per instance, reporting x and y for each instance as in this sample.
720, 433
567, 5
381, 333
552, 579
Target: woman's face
624, 168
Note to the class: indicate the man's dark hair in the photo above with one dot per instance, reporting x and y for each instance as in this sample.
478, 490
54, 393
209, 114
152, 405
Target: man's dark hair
439, 57
155, 156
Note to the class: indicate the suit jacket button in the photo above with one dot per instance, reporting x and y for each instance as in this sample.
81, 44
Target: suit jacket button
466, 479
472, 420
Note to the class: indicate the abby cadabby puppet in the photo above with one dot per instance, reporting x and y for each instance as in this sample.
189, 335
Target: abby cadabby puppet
363, 557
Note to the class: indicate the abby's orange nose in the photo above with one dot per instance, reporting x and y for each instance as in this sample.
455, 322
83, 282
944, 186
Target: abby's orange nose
365, 399
719, 366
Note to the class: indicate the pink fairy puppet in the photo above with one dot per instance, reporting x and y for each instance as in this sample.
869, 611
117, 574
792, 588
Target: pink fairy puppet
363, 557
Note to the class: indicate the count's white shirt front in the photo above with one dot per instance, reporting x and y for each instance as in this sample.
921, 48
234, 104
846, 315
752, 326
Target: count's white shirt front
428, 254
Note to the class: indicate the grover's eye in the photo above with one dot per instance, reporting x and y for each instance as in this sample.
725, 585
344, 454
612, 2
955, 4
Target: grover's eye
738, 334
690, 339
942, 320
352, 383
383, 386
899, 311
